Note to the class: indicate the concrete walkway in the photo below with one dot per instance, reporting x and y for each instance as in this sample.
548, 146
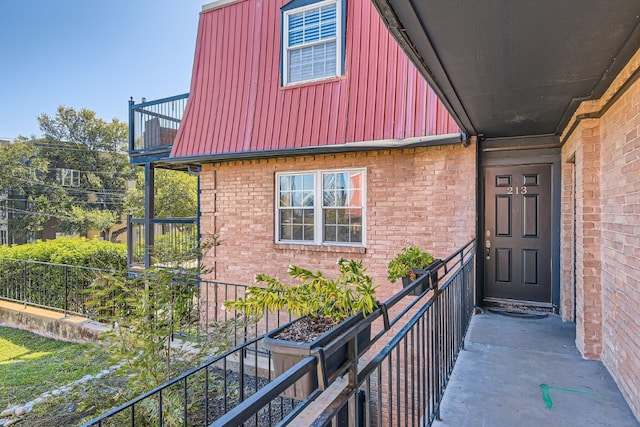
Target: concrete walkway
528, 372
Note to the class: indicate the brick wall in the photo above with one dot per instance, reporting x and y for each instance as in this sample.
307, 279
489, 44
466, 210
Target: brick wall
605, 153
620, 238
584, 148
423, 196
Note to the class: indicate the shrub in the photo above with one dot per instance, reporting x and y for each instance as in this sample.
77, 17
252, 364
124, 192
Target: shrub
409, 259
315, 296
72, 251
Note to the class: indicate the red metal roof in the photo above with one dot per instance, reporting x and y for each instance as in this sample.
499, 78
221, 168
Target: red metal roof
237, 104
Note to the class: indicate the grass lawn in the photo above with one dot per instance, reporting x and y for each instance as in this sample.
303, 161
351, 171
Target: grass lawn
31, 365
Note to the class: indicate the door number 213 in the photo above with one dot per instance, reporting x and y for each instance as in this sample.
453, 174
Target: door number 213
517, 190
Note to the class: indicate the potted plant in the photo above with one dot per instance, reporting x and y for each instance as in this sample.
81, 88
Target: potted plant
408, 264
328, 308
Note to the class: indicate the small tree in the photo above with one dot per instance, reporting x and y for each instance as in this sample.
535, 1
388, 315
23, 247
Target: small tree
79, 140
82, 220
24, 181
145, 312
176, 195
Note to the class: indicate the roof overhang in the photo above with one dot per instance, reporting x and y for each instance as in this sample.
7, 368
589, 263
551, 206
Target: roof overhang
350, 147
508, 68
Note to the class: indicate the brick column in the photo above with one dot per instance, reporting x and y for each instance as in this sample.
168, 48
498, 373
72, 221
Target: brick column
588, 253
567, 231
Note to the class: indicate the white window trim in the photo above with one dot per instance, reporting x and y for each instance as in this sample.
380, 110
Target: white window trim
285, 43
317, 208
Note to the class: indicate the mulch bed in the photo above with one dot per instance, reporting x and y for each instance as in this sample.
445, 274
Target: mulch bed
307, 329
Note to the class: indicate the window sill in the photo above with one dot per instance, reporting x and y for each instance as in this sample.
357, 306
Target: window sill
322, 80
319, 248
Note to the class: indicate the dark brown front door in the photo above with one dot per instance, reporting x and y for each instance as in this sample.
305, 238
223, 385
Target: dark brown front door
517, 234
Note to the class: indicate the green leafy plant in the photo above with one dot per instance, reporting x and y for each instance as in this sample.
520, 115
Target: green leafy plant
72, 251
146, 312
316, 296
409, 259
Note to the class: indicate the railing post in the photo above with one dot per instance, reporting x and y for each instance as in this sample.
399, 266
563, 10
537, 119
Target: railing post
26, 284
353, 410
437, 351
465, 306
66, 291
149, 214
129, 242
353, 353
131, 126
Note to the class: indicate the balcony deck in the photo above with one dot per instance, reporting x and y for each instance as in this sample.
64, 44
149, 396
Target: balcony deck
153, 126
528, 372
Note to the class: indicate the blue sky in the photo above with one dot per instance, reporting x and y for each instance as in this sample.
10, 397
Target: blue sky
91, 54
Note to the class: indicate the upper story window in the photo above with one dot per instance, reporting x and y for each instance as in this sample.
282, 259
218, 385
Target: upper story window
313, 40
321, 207
69, 177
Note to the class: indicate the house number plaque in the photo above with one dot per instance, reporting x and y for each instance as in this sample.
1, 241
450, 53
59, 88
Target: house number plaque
517, 190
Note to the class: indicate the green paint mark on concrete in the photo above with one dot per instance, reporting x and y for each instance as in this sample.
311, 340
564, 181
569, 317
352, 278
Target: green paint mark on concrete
546, 395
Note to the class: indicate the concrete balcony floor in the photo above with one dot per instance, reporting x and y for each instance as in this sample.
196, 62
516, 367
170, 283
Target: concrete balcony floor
528, 372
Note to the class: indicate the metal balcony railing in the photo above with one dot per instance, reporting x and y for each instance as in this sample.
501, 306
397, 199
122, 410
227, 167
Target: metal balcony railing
205, 393
154, 125
402, 384
171, 235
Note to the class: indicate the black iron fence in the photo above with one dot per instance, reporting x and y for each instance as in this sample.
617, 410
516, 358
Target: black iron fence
401, 384
213, 294
64, 288
54, 286
205, 393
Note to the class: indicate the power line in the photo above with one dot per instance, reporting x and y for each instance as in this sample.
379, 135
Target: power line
83, 171
97, 172
74, 189
47, 214
83, 148
73, 202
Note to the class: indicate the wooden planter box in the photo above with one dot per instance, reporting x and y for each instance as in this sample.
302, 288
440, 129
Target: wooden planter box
286, 353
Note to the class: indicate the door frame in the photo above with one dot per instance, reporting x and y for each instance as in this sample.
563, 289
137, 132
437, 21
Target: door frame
522, 151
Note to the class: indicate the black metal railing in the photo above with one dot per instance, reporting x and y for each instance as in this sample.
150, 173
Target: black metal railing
171, 236
205, 393
54, 286
213, 294
402, 383
63, 288
153, 125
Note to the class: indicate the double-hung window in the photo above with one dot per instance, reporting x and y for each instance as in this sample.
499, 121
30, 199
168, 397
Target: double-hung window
313, 40
321, 207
